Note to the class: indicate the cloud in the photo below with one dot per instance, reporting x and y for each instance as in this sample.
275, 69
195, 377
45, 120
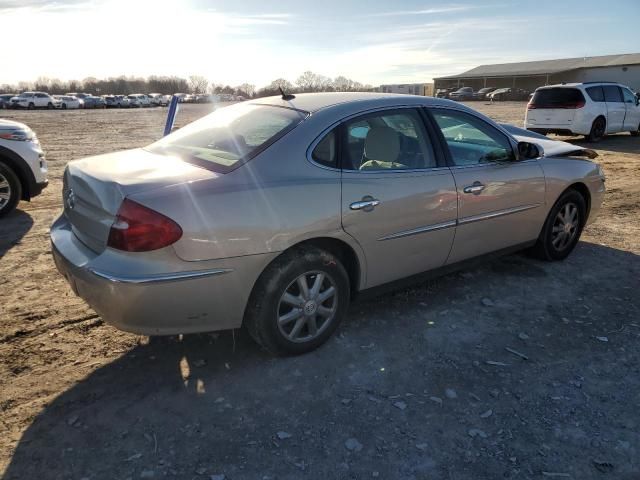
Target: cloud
431, 11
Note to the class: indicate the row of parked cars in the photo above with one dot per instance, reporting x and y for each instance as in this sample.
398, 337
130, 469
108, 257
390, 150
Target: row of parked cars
32, 100
488, 93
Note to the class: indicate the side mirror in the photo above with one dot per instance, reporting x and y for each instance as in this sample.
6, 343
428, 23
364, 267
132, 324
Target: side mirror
528, 150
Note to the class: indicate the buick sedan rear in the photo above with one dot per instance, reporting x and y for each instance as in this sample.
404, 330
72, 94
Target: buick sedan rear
274, 213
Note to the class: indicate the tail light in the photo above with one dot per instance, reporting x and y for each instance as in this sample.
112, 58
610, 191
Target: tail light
141, 229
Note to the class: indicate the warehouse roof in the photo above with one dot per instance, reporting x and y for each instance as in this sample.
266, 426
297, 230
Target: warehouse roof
543, 67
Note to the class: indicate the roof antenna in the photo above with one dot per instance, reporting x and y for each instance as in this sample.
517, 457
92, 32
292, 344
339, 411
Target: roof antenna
286, 96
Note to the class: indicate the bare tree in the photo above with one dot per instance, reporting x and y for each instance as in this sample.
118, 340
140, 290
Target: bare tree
246, 90
198, 84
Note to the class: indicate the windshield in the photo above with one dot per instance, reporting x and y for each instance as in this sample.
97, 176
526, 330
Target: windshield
229, 135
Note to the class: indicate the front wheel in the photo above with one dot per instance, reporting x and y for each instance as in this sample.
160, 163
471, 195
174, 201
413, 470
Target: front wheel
562, 228
298, 301
10, 190
636, 132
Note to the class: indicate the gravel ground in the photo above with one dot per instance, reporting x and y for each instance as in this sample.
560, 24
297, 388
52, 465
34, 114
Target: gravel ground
514, 369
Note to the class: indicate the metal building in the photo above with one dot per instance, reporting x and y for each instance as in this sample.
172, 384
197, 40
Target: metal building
424, 89
624, 68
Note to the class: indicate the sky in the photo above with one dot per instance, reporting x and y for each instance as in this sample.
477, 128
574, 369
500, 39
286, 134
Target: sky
256, 41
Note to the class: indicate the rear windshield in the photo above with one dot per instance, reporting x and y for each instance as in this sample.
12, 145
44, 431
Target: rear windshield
229, 135
556, 97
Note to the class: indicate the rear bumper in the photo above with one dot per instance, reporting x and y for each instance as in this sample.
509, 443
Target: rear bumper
210, 295
556, 130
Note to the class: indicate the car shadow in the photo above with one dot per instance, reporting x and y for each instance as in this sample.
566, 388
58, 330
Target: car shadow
12, 228
202, 405
620, 143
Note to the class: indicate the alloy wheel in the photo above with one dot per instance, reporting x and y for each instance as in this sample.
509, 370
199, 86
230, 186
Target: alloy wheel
5, 191
565, 226
307, 307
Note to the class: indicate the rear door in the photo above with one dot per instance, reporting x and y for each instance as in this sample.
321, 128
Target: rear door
632, 113
616, 109
500, 199
398, 202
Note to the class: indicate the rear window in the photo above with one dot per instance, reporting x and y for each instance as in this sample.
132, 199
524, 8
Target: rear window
229, 135
556, 97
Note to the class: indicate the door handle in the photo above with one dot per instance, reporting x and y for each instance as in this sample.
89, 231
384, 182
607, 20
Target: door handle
476, 188
367, 204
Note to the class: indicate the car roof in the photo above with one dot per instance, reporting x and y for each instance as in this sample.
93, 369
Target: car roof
581, 84
313, 102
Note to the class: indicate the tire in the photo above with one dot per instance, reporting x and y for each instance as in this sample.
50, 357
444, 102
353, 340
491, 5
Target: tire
636, 133
31, 106
598, 130
9, 184
286, 327
49, 106
549, 246
64, 106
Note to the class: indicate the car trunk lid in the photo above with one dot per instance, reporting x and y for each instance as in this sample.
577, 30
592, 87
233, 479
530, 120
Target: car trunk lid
94, 188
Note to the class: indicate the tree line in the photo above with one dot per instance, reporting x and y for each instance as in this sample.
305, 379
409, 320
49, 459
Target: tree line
195, 84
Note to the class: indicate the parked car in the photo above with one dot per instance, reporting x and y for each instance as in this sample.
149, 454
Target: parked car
204, 230
23, 168
122, 101
110, 101
94, 102
31, 100
444, 92
166, 100
464, 93
590, 109
513, 94
67, 102
483, 93
138, 100
5, 100
155, 99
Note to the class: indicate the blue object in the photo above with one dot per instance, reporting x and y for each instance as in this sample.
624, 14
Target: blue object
171, 115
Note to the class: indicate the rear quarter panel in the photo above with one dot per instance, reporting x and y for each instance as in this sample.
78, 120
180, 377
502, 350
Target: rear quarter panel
268, 204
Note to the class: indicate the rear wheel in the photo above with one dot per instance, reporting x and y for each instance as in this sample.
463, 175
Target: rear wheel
298, 301
31, 106
10, 189
636, 133
563, 227
597, 130
49, 105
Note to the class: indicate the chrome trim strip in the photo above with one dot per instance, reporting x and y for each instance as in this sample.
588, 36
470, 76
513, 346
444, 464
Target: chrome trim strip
419, 230
160, 277
499, 213
462, 221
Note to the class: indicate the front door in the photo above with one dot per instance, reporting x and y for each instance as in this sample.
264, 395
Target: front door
615, 108
397, 201
500, 199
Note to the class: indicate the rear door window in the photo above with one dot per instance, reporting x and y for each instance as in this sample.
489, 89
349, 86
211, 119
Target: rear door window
388, 140
612, 94
596, 94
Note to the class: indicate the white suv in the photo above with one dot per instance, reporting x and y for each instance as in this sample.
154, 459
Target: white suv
23, 168
591, 109
33, 100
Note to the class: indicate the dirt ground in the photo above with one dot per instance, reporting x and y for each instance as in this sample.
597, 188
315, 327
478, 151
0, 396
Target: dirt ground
515, 369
